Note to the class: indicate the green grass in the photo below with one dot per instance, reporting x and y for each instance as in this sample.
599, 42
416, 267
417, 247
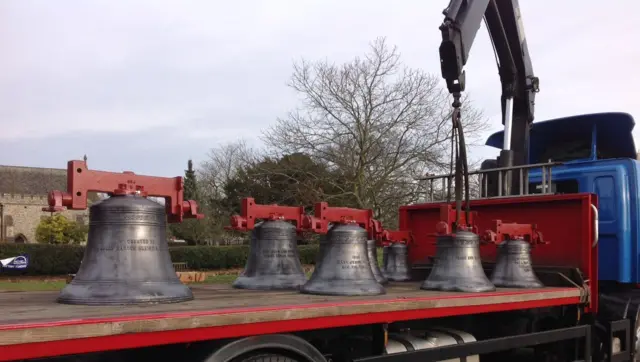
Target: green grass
31, 286
219, 279
34, 285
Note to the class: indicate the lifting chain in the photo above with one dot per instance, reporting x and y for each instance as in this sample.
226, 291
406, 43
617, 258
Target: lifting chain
459, 153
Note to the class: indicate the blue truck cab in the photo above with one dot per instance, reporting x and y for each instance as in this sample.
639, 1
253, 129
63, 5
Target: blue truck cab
598, 155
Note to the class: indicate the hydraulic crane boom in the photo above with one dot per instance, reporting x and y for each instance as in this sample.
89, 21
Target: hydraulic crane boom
519, 85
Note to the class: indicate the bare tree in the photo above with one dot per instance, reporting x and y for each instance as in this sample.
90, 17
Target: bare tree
222, 165
376, 123
214, 174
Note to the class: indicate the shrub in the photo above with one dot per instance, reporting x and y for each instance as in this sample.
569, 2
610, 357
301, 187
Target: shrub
57, 229
50, 259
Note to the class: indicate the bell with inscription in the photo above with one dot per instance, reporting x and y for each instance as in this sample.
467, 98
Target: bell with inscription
343, 267
457, 265
126, 260
274, 262
397, 268
513, 266
372, 253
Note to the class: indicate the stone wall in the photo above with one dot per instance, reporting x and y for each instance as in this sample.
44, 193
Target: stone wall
21, 214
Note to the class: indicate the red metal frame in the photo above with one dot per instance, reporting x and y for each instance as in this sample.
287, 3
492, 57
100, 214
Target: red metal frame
512, 231
323, 215
565, 219
448, 223
388, 237
81, 180
145, 339
250, 212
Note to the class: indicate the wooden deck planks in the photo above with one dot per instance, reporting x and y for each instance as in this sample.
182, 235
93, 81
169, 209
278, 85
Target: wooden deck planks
36, 317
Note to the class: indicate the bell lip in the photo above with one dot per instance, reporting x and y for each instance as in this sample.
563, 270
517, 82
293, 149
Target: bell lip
98, 302
486, 285
383, 280
444, 288
182, 293
344, 289
268, 282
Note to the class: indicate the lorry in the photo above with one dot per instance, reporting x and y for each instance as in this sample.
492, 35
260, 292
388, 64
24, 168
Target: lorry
573, 180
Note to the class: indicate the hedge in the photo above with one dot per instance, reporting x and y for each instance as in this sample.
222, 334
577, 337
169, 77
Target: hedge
47, 259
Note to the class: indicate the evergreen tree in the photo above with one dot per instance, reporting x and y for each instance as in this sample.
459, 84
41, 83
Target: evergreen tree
190, 183
191, 230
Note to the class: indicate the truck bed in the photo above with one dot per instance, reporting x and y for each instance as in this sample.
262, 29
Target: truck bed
220, 311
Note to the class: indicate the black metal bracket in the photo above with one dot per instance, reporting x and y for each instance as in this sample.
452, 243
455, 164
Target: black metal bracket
621, 329
582, 332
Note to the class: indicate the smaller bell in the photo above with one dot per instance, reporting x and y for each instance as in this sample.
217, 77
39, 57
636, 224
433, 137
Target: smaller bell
343, 267
513, 266
372, 252
397, 263
458, 266
274, 262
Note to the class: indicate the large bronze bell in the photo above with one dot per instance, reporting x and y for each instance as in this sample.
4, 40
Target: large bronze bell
397, 268
274, 262
372, 253
343, 268
457, 265
513, 266
127, 259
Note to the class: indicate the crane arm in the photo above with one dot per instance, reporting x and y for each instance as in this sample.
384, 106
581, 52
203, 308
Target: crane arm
519, 85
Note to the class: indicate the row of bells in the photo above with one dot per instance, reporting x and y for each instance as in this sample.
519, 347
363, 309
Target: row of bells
346, 264
127, 260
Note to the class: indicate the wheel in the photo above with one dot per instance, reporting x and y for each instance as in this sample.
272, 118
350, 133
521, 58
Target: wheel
265, 357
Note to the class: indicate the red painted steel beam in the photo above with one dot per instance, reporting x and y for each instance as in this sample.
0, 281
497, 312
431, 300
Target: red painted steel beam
250, 212
81, 181
323, 215
502, 231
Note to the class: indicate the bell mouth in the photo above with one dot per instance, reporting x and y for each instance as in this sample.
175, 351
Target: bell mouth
119, 293
344, 288
270, 282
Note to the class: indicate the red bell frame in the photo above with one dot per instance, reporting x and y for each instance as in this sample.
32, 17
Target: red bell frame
250, 212
323, 215
448, 223
81, 181
388, 237
512, 231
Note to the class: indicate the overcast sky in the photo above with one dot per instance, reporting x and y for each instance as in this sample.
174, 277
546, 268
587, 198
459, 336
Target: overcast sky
145, 85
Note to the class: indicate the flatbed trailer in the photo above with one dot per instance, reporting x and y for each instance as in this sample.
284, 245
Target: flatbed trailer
236, 325
33, 325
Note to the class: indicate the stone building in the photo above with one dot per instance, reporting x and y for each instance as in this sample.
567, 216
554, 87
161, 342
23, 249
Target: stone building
23, 194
